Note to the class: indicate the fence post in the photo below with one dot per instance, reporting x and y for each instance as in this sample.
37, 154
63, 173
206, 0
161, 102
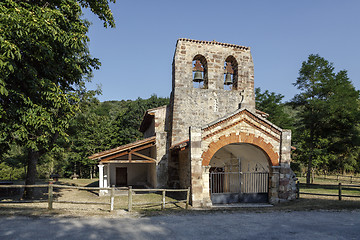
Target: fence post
339, 191
112, 198
187, 197
298, 190
163, 199
351, 179
50, 196
130, 199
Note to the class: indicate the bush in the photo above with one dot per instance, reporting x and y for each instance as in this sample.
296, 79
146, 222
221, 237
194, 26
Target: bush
11, 173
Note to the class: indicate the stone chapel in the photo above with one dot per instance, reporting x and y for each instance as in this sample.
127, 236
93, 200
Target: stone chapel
210, 137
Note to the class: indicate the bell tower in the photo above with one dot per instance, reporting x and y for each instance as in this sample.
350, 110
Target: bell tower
210, 80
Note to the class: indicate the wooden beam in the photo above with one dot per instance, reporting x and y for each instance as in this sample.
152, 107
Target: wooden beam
126, 161
128, 151
143, 147
143, 156
113, 156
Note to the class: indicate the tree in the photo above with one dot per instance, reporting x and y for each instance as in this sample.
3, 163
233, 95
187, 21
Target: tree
270, 103
127, 123
89, 133
328, 106
43, 58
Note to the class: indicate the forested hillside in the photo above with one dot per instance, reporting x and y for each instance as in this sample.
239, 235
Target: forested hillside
324, 118
98, 126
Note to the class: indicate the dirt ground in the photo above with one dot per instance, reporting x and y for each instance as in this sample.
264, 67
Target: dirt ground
306, 218
192, 225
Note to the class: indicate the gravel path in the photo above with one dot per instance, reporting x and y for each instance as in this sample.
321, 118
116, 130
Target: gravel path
197, 225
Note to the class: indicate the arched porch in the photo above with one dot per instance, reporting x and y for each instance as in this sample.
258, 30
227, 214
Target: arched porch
239, 172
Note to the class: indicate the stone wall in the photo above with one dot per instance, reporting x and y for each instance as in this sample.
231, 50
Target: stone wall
159, 128
193, 106
287, 178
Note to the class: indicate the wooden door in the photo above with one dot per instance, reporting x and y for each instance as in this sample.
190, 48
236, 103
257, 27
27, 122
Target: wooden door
121, 176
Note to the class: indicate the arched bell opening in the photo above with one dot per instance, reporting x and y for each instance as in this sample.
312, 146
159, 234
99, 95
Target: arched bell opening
230, 73
200, 73
239, 172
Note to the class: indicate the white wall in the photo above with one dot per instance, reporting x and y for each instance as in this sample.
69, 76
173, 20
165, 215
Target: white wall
137, 173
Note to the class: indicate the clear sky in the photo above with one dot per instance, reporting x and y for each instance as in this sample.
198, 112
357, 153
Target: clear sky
136, 56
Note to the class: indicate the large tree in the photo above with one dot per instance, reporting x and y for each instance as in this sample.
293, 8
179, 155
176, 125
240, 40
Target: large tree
328, 106
43, 58
127, 123
272, 104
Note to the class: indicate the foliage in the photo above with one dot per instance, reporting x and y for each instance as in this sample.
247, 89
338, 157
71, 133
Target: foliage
270, 103
43, 58
127, 123
102, 126
327, 130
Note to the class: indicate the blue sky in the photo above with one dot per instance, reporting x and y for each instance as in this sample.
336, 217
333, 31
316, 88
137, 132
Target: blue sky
136, 56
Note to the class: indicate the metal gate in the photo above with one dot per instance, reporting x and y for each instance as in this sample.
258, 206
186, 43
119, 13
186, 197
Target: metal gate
231, 187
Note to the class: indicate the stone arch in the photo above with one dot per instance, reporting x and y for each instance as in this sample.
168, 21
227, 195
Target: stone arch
242, 138
203, 62
232, 60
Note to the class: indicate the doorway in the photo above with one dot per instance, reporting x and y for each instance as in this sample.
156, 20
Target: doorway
121, 176
239, 173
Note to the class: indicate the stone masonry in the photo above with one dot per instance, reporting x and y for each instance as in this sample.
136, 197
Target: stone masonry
194, 110
202, 120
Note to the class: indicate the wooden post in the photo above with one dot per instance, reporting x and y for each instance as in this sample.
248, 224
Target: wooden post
298, 189
163, 200
339, 191
351, 179
112, 198
50, 196
187, 197
130, 199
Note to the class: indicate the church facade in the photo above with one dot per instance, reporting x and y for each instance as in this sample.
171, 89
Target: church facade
210, 137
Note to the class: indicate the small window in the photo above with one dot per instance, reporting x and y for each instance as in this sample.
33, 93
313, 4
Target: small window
199, 72
228, 77
230, 73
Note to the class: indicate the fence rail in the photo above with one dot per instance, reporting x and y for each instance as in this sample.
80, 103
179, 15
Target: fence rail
340, 187
50, 196
337, 177
163, 200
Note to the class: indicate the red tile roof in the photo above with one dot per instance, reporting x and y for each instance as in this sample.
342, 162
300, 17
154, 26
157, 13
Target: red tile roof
214, 43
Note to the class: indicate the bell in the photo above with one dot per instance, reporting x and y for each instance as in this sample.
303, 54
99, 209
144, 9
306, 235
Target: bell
198, 77
228, 80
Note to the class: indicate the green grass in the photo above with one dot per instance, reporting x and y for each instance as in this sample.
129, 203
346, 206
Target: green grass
141, 206
328, 186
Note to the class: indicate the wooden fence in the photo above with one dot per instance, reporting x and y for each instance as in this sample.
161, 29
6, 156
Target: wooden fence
163, 202
340, 187
337, 177
51, 200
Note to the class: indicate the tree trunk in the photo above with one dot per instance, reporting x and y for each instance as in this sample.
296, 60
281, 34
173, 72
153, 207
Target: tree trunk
308, 173
33, 157
311, 149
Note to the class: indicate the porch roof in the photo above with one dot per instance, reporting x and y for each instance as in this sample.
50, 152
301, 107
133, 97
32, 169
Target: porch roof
130, 149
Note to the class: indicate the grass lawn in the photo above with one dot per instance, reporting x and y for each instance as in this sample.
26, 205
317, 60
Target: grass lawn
150, 204
329, 186
141, 202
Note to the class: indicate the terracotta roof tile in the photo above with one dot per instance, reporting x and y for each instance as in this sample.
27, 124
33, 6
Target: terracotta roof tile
214, 43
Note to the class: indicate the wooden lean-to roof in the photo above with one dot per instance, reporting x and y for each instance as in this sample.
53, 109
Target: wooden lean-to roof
129, 153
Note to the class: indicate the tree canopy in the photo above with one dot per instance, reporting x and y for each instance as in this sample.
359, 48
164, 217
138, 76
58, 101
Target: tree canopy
44, 57
271, 103
328, 114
